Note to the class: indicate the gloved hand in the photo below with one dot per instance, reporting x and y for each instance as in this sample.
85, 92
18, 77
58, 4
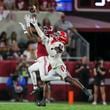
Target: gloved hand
34, 21
27, 19
23, 27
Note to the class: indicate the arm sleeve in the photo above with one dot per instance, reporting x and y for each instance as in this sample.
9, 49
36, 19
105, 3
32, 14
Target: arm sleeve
44, 38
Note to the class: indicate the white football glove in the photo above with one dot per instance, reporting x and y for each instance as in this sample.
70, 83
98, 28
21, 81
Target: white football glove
27, 19
23, 27
33, 21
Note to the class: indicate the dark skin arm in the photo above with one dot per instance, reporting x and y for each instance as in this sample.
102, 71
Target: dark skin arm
31, 36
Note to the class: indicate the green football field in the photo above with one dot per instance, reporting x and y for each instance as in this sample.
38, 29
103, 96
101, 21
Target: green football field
52, 106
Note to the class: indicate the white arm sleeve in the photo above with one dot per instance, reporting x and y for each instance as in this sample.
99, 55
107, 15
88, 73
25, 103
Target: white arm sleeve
44, 38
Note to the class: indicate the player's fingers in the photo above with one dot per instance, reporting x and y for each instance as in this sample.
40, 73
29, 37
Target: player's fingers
27, 17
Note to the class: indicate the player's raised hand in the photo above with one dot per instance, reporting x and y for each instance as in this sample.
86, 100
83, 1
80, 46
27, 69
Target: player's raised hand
27, 19
34, 21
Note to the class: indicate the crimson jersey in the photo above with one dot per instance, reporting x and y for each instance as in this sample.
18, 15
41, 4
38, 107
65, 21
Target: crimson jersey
41, 50
47, 3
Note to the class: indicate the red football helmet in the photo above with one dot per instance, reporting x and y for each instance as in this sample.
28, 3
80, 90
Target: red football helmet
62, 36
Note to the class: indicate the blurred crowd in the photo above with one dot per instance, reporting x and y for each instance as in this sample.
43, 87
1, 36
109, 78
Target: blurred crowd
12, 48
44, 5
7, 6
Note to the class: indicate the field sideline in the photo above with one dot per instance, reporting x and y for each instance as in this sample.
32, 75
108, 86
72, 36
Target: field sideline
52, 106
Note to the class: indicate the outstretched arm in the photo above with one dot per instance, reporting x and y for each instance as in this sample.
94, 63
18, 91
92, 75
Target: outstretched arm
39, 31
26, 31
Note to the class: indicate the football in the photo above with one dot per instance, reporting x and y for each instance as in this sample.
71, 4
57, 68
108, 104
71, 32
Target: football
32, 9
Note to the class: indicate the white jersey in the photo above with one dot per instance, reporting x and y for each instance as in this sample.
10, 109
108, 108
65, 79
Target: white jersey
55, 50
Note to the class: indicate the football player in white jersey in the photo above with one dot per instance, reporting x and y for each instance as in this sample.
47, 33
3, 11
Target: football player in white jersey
55, 48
